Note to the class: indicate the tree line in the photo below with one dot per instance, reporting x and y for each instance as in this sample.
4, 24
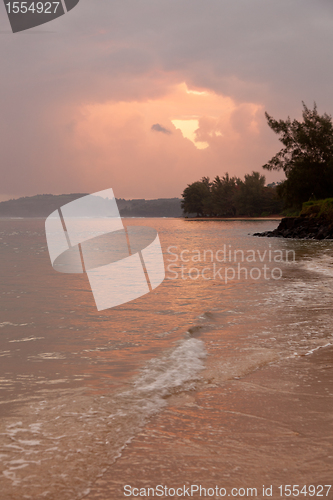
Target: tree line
306, 160
230, 197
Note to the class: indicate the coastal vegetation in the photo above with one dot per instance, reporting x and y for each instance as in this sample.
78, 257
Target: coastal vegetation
319, 209
231, 197
306, 158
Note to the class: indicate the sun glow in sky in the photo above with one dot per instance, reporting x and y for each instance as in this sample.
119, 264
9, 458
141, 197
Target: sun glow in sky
201, 116
188, 128
150, 147
103, 100
177, 137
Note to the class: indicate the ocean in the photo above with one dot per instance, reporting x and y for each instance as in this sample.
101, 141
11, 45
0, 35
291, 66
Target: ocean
80, 387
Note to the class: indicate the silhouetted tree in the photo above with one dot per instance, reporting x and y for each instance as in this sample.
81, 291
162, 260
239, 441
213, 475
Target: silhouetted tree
251, 196
224, 192
230, 196
196, 197
306, 158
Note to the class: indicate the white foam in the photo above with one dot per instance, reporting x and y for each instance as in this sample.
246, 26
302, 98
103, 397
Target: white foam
317, 348
27, 339
48, 355
8, 323
322, 265
74, 433
180, 366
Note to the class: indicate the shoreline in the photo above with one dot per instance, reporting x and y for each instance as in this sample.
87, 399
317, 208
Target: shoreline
196, 219
272, 426
302, 228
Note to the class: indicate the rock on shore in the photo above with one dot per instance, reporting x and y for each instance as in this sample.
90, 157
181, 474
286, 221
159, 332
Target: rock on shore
302, 228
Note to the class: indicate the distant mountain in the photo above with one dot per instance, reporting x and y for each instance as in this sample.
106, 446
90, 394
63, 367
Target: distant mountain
162, 207
42, 205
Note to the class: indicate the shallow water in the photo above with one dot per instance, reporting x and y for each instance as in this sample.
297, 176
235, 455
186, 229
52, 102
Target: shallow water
78, 384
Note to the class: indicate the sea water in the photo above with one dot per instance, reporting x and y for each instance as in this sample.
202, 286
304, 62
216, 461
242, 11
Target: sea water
77, 385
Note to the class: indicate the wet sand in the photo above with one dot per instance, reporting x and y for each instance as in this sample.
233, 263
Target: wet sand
272, 427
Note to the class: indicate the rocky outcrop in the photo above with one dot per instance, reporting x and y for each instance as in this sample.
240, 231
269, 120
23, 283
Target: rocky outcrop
302, 228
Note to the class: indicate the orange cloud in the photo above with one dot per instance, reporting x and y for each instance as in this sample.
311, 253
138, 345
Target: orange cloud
114, 143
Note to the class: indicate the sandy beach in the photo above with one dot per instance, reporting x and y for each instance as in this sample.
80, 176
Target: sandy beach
272, 427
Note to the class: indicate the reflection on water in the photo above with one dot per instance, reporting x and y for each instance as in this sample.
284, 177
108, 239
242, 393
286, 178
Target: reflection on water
75, 380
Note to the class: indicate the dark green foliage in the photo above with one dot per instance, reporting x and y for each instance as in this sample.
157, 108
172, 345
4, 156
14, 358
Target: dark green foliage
230, 197
196, 197
251, 199
322, 209
306, 157
224, 194
305, 181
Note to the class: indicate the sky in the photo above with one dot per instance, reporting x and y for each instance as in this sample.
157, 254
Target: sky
147, 96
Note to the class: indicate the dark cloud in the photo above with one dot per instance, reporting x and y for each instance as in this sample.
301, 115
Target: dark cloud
158, 128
